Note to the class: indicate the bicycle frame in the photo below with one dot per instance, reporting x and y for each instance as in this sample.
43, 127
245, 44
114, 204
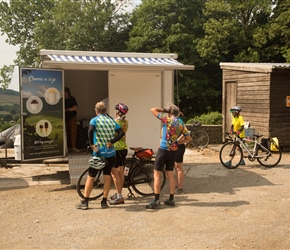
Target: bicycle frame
252, 155
233, 151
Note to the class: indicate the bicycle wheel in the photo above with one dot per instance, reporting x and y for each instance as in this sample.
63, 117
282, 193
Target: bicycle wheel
231, 155
142, 178
202, 138
98, 185
269, 158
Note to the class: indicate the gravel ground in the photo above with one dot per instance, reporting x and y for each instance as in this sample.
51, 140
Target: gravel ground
243, 208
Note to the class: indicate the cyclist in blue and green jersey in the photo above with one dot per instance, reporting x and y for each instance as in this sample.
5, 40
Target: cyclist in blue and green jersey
103, 133
172, 129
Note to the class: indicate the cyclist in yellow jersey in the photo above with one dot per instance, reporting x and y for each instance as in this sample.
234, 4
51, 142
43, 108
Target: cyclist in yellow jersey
237, 124
121, 147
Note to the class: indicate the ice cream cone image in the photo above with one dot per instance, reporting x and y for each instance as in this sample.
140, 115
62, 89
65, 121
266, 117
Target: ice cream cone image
41, 128
46, 127
34, 105
52, 96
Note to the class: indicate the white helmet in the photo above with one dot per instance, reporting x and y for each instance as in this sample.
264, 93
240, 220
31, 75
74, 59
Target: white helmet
97, 162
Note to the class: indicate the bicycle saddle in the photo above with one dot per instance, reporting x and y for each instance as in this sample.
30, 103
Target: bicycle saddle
196, 124
136, 149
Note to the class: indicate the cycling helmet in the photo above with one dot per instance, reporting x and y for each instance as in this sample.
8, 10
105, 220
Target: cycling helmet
122, 108
235, 109
97, 162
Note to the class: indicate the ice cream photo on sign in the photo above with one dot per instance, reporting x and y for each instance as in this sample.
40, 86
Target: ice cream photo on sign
34, 105
41, 128
46, 127
52, 96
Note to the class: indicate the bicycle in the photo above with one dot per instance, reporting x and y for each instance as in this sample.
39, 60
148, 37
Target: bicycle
200, 138
140, 177
232, 152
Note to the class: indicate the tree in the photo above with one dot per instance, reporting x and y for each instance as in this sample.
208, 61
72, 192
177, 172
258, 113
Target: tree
6, 76
279, 31
71, 25
95, 25
7, 117
18, 20
174, 26
236, 31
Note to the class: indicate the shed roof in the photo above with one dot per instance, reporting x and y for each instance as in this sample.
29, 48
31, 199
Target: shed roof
255, 67
93, 60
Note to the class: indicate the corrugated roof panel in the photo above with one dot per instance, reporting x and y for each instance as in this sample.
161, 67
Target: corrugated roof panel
255, 67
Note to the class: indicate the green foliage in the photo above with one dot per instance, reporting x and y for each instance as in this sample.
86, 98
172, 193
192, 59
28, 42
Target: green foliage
6, 76
174, 26
202, 32
89, 26
212, 118
93, 25
18, 20
5, 126
7, 117
245, 31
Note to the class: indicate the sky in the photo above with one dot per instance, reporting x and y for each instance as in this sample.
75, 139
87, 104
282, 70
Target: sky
8, 54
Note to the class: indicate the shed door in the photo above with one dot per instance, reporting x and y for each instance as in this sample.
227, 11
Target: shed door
230, 101
140, 90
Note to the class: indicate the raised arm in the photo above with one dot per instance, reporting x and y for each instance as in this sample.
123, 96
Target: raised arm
156, 111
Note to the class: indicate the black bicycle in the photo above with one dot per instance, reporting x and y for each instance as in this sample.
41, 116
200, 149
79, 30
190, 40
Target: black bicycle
200, 138
140, 177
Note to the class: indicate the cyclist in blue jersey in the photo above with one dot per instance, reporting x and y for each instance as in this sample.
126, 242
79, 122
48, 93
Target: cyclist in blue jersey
172, 129
103, 133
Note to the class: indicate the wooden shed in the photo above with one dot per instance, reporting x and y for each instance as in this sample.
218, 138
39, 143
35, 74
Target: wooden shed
262, 90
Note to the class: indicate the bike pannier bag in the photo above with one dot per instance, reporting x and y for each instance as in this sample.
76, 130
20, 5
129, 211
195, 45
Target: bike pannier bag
265, 142
275, 144
145, 153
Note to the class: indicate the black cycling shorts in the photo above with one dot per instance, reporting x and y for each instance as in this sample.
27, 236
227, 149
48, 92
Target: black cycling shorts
180, 153
164, 158
120, 157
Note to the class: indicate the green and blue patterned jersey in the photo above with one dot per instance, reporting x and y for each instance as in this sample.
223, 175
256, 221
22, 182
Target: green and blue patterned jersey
105, 129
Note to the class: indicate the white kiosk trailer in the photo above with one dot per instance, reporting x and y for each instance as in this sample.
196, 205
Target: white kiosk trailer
140, 80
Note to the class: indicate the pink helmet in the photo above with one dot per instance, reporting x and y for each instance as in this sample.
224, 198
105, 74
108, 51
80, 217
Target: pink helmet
122, 108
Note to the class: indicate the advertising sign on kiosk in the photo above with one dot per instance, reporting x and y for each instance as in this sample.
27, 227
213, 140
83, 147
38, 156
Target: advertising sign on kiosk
42, 113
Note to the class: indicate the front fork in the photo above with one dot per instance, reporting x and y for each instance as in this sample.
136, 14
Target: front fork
233, 151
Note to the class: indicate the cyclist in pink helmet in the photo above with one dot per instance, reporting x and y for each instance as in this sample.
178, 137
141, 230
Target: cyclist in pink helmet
121, 147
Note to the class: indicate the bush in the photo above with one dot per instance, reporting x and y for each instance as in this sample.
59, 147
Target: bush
212, 118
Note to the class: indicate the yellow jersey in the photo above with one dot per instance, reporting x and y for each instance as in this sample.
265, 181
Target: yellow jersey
237, 123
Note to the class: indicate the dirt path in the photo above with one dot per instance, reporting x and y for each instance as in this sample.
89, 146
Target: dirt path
244, 208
